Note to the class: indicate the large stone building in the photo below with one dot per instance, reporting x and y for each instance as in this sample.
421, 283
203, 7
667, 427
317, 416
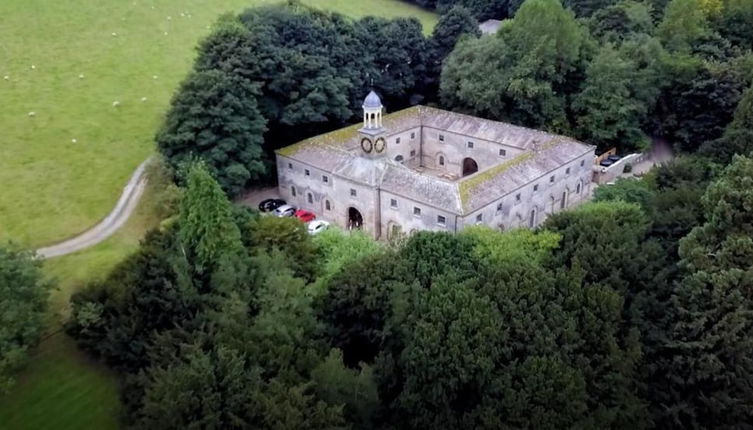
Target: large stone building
428, 169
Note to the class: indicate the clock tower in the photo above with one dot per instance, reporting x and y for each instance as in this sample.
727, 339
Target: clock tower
373, 143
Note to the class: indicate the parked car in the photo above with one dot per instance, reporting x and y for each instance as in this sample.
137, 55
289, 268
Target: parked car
316, 227
285, 210
304, 215
614, 158
269, 205
606, 162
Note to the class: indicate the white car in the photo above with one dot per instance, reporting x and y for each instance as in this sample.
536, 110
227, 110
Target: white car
285, 210
317, 226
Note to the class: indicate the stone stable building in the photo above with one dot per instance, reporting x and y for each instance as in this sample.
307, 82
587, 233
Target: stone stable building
428, 169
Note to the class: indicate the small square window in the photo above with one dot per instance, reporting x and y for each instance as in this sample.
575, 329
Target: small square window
292, 191
441, 220
417, 211
470, 145
413, 153
567, 171
517, 197
536, 187
290, 165
551, 179
582, 163
352, 192
397, 140
393, 203
502, 152
499, 207
479, 217
413, 135
325, 179
441, 137
308, 173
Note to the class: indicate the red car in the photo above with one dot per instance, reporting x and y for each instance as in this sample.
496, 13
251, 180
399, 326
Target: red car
305, 216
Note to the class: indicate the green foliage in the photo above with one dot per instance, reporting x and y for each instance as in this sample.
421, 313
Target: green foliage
288, 236
684, 23
710, 343
207, 229
214, 116
623, 20
453, 25
521, 74
627, 190
587, 7
338, 248
23, 302
738, 136
518, 245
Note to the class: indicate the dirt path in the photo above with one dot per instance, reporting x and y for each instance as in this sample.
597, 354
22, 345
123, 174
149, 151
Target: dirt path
112, 222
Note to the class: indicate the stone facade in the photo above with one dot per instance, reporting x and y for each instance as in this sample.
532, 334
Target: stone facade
428, 169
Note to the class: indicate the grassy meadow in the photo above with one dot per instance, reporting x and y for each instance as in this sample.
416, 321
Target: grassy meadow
66, 151
63, 168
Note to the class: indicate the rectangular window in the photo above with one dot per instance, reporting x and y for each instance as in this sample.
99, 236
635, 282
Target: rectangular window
290, 165
551, 179
502, 152
479, 217
499, 207
352, 192
393, 203
327, 205
413, 135
310, 198
441, 220
325, 179
567, 171
292, 191
470, 145
441, 137
413, 153
417, 211
582, 163
397, 140
536, 187
308, 173
517, 197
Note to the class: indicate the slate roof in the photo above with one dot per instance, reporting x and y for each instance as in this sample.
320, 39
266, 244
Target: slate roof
372, 101
339, 152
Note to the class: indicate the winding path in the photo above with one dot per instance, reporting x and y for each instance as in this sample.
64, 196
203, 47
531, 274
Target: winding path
112, 222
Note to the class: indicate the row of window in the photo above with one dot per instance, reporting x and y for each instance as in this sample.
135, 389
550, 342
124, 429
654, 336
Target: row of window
412, 137
307, 172
310, 198
441, 220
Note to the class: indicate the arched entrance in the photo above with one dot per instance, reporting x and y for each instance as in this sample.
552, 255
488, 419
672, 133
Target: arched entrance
469, 166
355, 219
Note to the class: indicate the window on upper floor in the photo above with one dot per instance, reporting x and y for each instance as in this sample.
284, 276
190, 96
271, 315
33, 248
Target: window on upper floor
353, 192
413, 135
399, 158
292, 191
393, 203
517, 197
290, 165
567, 171
479, 217
441, 137
397, 141
499, 207
310, 198
551, 179
470, 145
582, 163
413, 153
325, 179
417, 211
502, 152
536, 187
441, 220
308, 173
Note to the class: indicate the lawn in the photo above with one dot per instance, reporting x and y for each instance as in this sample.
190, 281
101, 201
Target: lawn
66, 150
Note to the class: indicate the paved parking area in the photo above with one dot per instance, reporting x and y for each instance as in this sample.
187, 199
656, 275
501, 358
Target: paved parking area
253, 197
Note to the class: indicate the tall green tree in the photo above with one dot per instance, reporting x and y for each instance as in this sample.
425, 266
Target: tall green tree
522, 75
214, 117
738, 136
23, 302
684, 23
457, 22
710, 347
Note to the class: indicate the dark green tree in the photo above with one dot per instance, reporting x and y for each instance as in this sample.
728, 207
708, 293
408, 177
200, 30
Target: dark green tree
23, 302
457, 22
738, 137
621, 21
214, 117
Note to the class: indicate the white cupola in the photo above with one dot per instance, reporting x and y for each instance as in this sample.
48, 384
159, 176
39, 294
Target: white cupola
372, 112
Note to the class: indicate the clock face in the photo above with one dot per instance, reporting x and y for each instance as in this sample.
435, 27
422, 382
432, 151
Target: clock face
366, 145
380, 144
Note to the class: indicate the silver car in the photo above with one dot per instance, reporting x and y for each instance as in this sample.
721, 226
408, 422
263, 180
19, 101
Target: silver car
285, 210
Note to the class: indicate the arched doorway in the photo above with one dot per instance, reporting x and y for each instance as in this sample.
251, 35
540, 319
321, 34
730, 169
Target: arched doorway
469, 166
355, 219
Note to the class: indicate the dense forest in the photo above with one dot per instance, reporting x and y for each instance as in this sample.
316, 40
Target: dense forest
633, 311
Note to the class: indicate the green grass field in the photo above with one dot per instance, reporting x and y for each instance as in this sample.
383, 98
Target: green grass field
54, 188
86, 55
